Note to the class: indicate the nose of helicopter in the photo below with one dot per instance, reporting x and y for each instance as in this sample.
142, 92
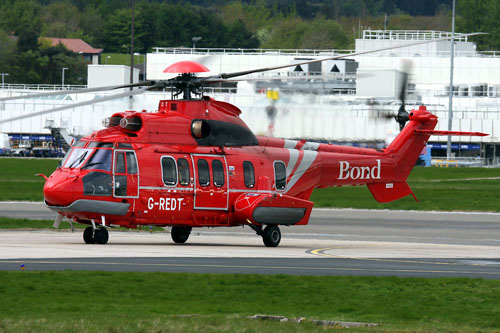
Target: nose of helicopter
59, 190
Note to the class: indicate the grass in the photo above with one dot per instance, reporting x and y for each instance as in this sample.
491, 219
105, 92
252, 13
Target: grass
120, 59
18, 180
9, 223
116, 302
446, 189
25, 224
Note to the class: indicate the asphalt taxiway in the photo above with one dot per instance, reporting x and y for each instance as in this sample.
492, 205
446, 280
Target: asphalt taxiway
336, 242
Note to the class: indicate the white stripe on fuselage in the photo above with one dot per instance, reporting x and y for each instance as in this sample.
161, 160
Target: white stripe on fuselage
305, 163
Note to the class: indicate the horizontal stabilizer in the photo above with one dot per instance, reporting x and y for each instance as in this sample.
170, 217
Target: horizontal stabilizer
386, 192
434, 132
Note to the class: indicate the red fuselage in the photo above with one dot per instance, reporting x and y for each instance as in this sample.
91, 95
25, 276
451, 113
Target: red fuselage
195, 163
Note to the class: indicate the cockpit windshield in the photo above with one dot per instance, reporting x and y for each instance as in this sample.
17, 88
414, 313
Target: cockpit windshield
77, 157
100, 160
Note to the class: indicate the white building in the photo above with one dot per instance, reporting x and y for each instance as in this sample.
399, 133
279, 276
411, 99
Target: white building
317, 109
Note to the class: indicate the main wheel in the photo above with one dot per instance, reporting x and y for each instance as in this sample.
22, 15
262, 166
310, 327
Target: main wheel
271, 236
101, 236
180, 234
88, 235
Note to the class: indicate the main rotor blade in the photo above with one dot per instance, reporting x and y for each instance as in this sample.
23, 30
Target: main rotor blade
340, 56
96, 100
78, 91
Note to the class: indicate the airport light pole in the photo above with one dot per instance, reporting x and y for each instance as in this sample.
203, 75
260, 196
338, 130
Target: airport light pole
143, 64
195, 40
452, 57
62, 81
107, 57
3, 78
132, 46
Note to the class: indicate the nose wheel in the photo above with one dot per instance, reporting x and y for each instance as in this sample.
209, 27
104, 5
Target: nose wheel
97, 236
180, 234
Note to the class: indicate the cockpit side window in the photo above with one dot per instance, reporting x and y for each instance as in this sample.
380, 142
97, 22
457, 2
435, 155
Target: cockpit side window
131, 163
120, 163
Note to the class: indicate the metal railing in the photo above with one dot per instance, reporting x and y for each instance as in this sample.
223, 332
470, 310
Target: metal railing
457, 162
239, 51
412, 35
42, 87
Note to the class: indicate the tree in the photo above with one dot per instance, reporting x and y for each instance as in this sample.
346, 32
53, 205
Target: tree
22, 18
479, 16
324, 34
297, 33
239, 36
116, 31
60, 19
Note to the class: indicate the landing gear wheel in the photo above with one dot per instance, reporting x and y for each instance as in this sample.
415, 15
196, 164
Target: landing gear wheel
271, 236
180, 234
88, 235
101, 236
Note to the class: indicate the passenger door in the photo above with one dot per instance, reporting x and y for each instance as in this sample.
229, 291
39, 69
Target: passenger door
125, 174
212, 187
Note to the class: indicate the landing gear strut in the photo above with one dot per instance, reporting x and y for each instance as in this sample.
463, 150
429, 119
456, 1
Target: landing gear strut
271, 235
97, 236
180, 234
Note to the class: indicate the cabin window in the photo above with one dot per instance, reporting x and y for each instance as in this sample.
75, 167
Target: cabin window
218, 173
131, 163
169, 171
280, 175
184, 175
248, 174
120, 163
203, 173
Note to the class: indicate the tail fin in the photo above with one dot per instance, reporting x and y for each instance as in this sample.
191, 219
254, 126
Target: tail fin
406, 148
386, 192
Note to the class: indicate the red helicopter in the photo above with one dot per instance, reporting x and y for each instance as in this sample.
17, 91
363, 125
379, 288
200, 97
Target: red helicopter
195, 163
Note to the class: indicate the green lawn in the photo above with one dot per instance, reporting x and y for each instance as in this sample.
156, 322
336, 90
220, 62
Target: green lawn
11, 223
120, 59
18, 180
446, 189
156, 302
